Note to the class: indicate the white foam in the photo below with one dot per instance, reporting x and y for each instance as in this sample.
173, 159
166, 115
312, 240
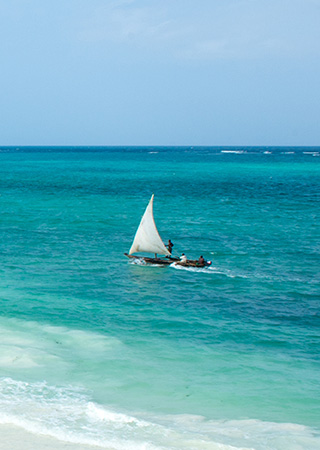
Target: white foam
138, 262
253, 434
237, 152
68, 414
99, 413
141, 262
208, 270
190, 269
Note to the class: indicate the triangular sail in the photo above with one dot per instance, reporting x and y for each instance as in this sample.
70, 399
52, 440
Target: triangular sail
147, 238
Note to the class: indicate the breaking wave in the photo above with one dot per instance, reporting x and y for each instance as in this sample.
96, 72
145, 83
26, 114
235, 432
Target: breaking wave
68, 414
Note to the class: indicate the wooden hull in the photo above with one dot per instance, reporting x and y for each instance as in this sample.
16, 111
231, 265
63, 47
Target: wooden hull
168, 261
155, 261
193, 263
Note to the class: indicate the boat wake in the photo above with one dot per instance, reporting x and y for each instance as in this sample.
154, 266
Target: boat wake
208, 270
141, 262
138, 262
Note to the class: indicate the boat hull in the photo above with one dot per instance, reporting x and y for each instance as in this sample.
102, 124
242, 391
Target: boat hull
155, 261
193, 263
169, 260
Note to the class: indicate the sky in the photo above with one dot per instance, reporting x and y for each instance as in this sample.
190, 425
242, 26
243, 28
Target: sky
160, 72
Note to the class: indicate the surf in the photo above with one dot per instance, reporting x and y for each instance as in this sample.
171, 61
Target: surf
69, 415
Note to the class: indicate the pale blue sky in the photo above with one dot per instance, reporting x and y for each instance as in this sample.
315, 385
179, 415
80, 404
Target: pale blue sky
160, 72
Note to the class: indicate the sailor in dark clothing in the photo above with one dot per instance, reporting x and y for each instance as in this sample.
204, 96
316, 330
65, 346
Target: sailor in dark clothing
169, 246
201, 260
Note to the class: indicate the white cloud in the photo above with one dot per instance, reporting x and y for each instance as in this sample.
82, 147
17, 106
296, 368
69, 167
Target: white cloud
233, 29
125, 22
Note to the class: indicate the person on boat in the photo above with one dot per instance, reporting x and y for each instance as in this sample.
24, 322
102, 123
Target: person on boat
201, 261
183, 258
169, 246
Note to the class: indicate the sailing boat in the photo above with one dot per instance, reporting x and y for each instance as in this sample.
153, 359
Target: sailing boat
147, 240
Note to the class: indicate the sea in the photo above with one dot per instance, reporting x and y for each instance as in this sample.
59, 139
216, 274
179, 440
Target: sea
101, 352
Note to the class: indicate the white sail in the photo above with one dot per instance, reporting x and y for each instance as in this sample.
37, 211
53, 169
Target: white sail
147, 238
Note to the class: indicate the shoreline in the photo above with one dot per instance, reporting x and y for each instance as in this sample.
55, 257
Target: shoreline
16, 438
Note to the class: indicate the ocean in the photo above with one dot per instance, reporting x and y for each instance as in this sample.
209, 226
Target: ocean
99, 352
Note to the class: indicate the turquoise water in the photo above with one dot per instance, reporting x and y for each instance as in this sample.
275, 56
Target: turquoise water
97, 350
